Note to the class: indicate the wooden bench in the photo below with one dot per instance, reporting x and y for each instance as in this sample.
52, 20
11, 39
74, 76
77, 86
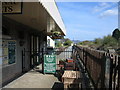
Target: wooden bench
71, 79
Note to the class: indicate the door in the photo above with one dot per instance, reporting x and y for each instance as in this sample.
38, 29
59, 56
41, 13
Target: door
34, 50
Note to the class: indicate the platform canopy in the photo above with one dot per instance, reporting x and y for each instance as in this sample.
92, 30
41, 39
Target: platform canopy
52, 9
42, 16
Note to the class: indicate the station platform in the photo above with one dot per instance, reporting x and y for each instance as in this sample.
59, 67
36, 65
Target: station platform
35, 79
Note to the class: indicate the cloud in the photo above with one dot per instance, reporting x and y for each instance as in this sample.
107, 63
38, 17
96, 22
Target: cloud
101, 6
105, 9
109, 12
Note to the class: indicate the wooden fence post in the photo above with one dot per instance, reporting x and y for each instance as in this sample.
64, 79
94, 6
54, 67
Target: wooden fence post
111, 73
118, 73
103, 67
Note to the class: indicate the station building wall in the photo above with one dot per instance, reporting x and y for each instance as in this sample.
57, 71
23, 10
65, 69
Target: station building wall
21, 34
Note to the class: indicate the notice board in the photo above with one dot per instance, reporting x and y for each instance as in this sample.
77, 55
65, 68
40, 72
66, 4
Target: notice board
4, 54
49, 64
11, 51
8, 49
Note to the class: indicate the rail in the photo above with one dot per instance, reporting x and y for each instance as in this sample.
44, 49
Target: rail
102, 68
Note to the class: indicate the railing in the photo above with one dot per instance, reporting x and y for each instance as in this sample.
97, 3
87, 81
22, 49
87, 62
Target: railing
103, 68
37, 57
63, 54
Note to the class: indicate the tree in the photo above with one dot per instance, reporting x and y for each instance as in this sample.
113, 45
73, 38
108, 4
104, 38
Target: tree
109, 41
98, 41
67, 42
116, 34
58, 43
86, 42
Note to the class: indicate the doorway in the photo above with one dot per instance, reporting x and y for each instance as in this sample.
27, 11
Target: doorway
35, 52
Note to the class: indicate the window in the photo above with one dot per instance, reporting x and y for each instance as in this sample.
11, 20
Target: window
8, 52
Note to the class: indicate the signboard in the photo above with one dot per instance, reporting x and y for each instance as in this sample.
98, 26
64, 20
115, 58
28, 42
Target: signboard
0, 52
5, 52
11, 51
8, 52
11, 7
49, 63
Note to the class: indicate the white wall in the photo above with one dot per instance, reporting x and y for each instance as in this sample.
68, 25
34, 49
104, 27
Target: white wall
50, 42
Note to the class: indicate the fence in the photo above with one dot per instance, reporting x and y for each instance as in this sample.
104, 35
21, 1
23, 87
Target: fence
63, 54
103, 68
36, 57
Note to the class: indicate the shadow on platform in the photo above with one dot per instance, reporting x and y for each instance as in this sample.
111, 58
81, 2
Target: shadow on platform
58, 85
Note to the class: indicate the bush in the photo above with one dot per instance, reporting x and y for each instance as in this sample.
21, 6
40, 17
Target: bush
68, 43
58, 44
109, 41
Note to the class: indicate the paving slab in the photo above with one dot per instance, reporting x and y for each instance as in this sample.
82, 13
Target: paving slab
34, 79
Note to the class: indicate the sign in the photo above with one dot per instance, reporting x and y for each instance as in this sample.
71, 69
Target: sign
5, 52
11, 51
0, 52
49, 63
11, 7
8, 52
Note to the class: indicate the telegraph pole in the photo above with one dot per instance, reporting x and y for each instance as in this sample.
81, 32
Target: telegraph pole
119, 15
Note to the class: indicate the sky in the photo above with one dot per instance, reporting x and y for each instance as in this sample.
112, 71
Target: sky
88, 20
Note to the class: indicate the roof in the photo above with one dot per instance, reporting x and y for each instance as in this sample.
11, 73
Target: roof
52, 9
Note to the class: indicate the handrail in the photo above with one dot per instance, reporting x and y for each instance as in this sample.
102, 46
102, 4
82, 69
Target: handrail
103, 68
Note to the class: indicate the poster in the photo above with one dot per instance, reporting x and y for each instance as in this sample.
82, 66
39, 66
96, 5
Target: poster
4, 52
11, 51
8, 52
0, 52
49, 63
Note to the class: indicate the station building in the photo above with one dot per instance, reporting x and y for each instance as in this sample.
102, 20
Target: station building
50, 42
25, 27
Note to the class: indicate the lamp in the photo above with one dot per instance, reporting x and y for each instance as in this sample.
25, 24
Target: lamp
21, 42
21, 37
